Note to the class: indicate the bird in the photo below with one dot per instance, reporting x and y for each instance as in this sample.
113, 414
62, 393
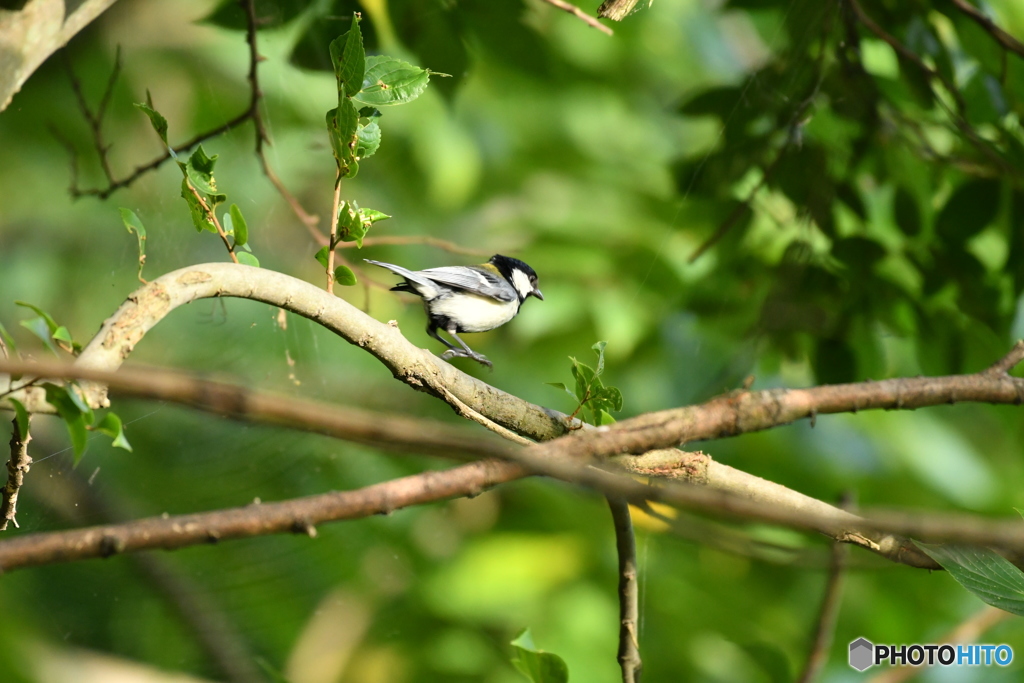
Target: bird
468, 298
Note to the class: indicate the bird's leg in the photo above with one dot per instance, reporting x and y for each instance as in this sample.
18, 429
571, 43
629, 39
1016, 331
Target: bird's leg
466, 352
432, 331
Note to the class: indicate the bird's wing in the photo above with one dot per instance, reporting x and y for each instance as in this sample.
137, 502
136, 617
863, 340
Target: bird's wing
473, 279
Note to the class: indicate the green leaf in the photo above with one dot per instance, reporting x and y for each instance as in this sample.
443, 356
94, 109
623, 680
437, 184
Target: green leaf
907, 213
343, 275
51, 324
342, 125
610, 398
39, 328
322, 256
155, 118
972, 207
20, 416
367, 140
240, 227
133, 224
371, 216
349, 59
599, 349
983, 572
559, 385
74, 418
62, 335
248, 259
351, 225
8, 339
389, 81
537, 665
199, 170
199, 218
586, 380
111, 426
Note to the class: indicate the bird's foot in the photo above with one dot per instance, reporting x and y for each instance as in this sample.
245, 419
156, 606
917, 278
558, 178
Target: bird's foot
458, 353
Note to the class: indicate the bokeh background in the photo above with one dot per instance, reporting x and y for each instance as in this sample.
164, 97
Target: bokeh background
883, 237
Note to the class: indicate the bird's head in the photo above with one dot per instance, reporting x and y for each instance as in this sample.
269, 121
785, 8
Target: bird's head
521, 276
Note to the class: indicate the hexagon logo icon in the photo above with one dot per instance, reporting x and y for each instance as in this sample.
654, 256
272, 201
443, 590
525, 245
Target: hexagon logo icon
862, 653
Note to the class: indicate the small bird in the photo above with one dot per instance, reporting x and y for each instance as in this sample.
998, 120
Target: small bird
469, 298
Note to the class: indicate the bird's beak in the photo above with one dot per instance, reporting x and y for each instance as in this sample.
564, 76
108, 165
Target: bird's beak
537, 294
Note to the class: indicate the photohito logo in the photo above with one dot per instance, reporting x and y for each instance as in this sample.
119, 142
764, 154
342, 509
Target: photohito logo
865, 654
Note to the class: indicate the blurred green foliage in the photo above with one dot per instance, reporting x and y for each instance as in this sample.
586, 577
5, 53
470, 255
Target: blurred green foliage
873, 227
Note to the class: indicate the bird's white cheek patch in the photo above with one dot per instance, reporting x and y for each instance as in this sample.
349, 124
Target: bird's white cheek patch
521, 281
476, 313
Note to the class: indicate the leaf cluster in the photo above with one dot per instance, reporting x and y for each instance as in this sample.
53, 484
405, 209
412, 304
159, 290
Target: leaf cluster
591, 394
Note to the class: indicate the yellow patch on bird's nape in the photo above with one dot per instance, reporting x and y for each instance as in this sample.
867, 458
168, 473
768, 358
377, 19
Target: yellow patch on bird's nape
491, 267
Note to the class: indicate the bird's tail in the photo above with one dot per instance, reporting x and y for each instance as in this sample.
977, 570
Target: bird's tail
410, 275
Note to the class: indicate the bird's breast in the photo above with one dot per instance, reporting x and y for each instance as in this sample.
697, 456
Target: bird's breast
472, 313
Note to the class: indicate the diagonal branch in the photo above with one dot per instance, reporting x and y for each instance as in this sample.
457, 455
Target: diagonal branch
580, 14
999, 35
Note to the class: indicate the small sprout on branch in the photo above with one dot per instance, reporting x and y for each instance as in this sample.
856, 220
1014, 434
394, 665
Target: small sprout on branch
591, 393
79, 418
47, 329
133, 224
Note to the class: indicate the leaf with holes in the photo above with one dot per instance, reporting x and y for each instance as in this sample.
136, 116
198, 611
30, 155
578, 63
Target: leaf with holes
389, 81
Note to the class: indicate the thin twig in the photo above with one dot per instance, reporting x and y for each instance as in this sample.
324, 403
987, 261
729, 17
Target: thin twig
1002, 37
251, 113
629, 592
212, 217
958, 117
17, 467
580, 14
828, 614
259, 125
335, 207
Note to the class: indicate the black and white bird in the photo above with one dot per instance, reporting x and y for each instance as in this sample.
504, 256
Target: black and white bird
469, 298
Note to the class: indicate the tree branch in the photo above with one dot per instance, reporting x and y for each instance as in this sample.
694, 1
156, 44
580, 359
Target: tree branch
17, 467
293, 516
828, 614
1002, 37
732, 414
580, 14
629, 592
